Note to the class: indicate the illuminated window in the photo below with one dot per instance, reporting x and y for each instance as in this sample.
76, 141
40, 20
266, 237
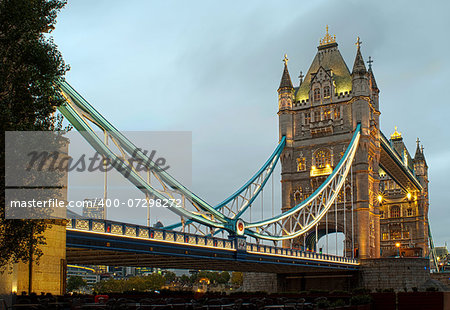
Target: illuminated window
301, 164
307, 118
337, 113
326, 92
385, 236
410, 212
406, 234
317, 94
322, 158
382, 214
298, 195
326, 114
395, 211
396, 234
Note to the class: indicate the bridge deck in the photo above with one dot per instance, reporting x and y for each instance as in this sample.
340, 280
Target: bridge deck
99, 242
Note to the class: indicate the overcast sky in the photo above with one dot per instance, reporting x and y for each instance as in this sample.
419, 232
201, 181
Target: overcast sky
213, 68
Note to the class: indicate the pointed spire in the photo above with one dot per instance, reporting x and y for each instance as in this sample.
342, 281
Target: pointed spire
373, 82
419, 152
359, 67
286, 78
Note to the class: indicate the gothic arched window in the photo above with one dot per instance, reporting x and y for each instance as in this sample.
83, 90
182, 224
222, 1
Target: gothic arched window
326, 92
317, 94
301, 164
410, 212
298, 195
395, 211
322, 158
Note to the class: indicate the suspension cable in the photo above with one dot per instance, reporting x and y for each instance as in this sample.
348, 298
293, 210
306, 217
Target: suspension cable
335, 225
345, 226
326, 231
353, 234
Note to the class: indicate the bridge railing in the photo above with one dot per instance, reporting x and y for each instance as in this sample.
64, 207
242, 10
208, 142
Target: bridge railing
144, 232
296, 253
150, 233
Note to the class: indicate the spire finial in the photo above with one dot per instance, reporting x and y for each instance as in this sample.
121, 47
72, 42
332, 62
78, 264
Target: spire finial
421, 148
396, 135
370, 62
358, 42
417, 141
301, 76
327, 39
285, 60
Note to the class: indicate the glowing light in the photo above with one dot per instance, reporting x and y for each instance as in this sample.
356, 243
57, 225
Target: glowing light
396, 135
408, 196
321, 171
397, 244
380, 198
14, 289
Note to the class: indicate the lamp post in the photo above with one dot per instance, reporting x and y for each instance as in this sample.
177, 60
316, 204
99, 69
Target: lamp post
398, 248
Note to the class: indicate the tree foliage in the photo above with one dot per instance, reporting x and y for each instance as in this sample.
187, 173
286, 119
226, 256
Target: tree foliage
30, 63
237, 278
74, 283
151, 282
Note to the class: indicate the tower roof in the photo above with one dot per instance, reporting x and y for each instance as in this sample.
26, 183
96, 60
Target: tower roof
419, 152
373, 82
285, 78
358, 66
329, 57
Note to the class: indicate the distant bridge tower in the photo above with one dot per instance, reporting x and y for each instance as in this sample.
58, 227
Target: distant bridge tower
318, 119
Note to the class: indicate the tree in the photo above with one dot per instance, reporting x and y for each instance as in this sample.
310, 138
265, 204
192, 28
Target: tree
29, 65
185, 280
224, 277
74, 283
151, 282
169, 277
237, 279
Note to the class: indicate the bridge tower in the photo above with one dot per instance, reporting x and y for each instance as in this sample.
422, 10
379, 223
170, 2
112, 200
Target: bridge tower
318, 118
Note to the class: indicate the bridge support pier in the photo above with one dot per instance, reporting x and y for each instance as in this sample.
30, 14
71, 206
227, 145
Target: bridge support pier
261, 282
394, 273
296, 282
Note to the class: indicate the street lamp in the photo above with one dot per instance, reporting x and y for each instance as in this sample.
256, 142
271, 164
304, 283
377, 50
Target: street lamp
398, 248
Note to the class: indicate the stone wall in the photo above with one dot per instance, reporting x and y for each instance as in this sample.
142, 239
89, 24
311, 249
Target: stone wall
394, 273
444, 278
260, 282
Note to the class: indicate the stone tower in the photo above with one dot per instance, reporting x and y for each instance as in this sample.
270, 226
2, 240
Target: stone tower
318, 119
404, 214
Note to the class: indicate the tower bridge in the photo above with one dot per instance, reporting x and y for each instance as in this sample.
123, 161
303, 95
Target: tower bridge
339, 173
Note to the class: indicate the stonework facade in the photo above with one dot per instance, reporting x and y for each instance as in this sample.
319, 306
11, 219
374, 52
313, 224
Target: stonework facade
394, 273
404, 215
318, 118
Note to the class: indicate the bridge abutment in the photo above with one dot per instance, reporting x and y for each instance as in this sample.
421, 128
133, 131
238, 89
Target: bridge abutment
394, 273
261, 282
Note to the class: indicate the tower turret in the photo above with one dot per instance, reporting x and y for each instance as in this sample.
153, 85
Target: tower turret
285, 100
285, 91
360, 77
374, 91
420, 164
